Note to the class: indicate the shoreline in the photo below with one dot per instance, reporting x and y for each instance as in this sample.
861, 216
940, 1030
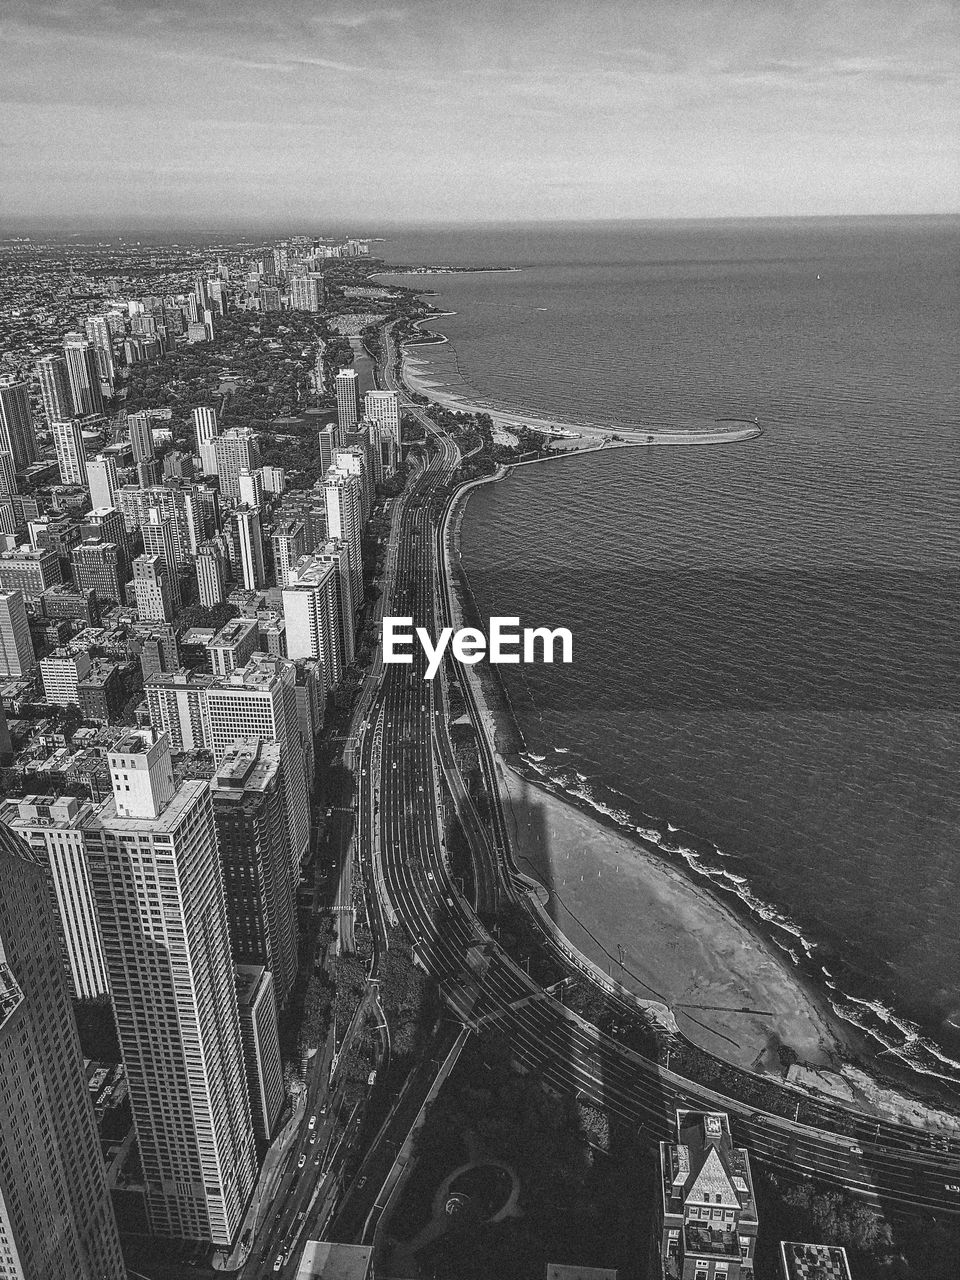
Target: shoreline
577, 436
703, 932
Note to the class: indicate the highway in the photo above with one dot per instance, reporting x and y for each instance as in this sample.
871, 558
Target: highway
896, 1164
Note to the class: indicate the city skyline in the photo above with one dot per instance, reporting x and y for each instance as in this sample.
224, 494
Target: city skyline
423, 113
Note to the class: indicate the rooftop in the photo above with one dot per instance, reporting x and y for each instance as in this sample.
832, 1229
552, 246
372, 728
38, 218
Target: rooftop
814, 1262
325, 1260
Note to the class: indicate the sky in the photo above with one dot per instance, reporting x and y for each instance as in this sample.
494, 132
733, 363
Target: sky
219, 113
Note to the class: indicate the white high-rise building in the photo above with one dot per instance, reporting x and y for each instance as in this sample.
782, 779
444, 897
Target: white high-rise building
250, 488
61, 672
205, 426
306, 292
16, 647
55, 388
56, 1218
71, 456
354, 460
236, 450
8, 475
160, 540
289, 542
312, 617
102, 480
84, 374
250, 545
255, 701
336, 553
17, 435
347, 386
53, 825
344, 497
158, 884
383, 408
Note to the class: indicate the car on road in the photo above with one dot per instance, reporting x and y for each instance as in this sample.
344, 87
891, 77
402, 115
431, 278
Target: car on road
362, 1183
279, 1262
313, 1123
855, 1151
951, 1186
324, 1109
302, 1161
430, 876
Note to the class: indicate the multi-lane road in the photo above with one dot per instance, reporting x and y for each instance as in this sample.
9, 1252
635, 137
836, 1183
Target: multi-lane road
896, 1164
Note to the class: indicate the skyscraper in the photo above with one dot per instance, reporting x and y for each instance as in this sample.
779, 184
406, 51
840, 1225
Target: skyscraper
261, 1046
343, 498
354, 460
383, 408
102, 480
348, 400
255, 701
56, 1219
250, 544
16, 648
211, 574
236, 449
310, 610
141, 437
158, 884
98, 333
84, 374
248, 808
306, 292
71, 455
55, 388
16, 423
159, 539
151, 586
332, 551
205, 426
53, 826
8, 475
100, 567
328, 437
250, 486
289, 542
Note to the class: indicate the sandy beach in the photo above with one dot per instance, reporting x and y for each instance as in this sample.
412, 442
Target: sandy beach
420, 377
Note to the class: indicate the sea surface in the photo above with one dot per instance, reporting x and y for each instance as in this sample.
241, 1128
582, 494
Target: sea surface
766, 675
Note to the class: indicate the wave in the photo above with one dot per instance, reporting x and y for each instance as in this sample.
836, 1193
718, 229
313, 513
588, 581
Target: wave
896, 1034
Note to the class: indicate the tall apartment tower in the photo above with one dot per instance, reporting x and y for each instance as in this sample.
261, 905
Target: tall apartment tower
16, 647
53, 826
205, 426
343, 495
236, 450
248, 808
347, 386
98, 333
250, 544
306, 292
160, 540
354, 460
8, 476
151, 586
260, 701
102, 480
84, 374
158, 884
56, 1219
55, 388
141, 437
211, 574
383, 408
71, 456
289, 542
16, 423
312, 616
336, 553
261, 1046
327, 436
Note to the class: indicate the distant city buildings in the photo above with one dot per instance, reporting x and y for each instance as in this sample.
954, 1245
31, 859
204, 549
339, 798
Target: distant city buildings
83, 374
71, 457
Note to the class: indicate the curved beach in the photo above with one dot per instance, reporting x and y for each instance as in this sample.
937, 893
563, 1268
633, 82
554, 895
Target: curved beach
419, 377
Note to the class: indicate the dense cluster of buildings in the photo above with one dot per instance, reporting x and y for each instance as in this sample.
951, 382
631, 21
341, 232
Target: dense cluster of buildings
155, 862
